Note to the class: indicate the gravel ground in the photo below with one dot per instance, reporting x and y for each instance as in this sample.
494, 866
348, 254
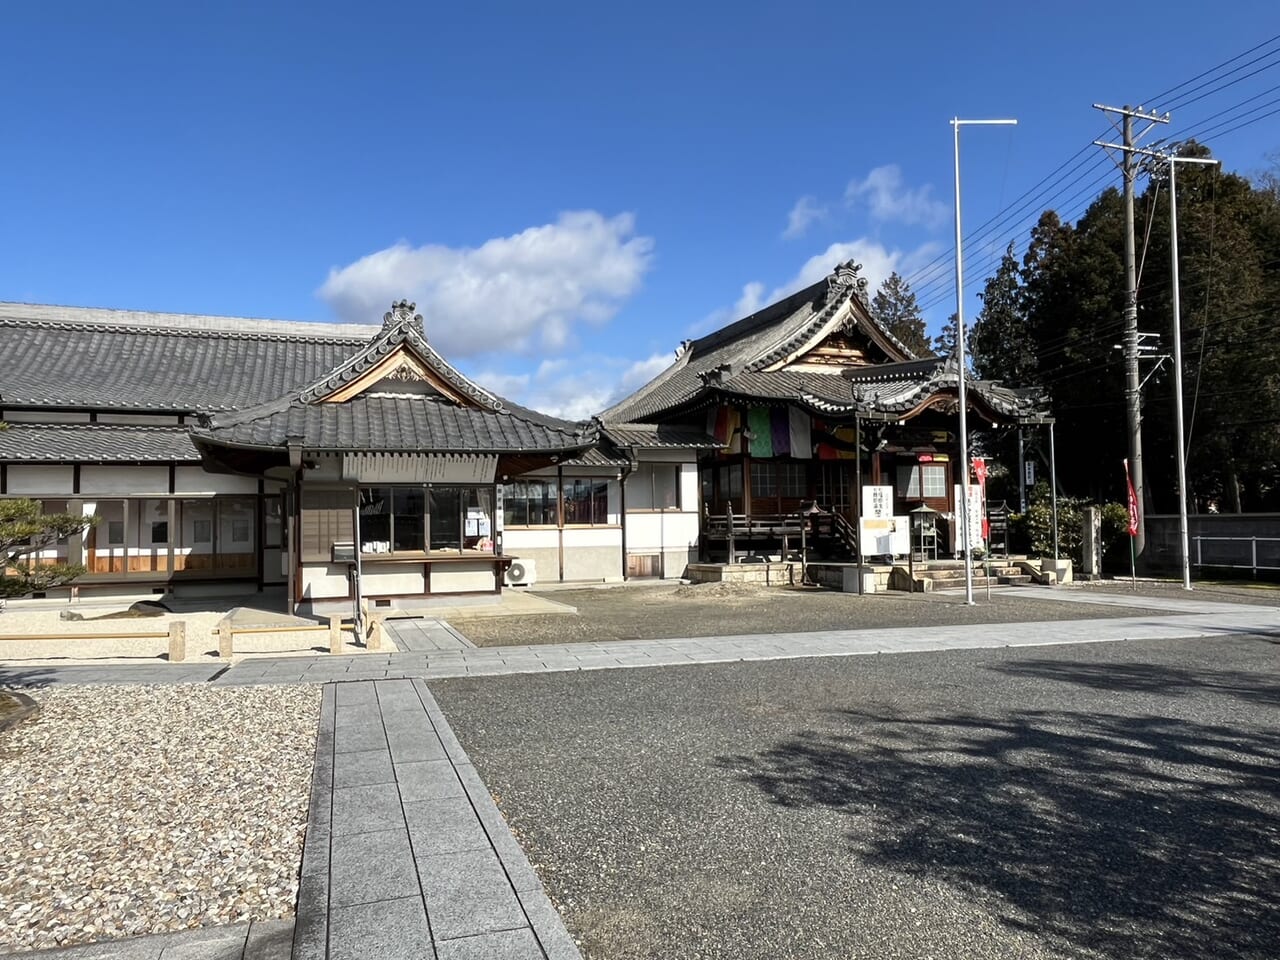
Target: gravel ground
143, 809
1104, 800
715, 609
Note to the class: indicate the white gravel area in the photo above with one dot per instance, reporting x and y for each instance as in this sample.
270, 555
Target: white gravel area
45, 622
143, 809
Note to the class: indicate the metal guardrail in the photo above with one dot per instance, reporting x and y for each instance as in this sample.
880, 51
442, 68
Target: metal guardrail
1230, 562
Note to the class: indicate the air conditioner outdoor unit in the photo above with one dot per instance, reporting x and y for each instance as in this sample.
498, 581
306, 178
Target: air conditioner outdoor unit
521, 573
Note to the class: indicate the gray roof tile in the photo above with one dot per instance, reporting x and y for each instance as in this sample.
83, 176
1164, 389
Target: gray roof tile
85, 358
95, 443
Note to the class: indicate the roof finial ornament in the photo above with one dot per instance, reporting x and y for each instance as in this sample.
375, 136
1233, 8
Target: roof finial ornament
846, 276
402, 311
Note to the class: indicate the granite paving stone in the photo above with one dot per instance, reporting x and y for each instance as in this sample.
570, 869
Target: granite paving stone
427, 780
372, 866
503, 945
363, 768
443, 826
387, 930
467, 893
367, 809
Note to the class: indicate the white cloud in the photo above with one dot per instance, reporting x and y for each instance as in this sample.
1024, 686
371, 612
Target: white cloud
878, 261
578, 388
517, 293
804, 213
888, 199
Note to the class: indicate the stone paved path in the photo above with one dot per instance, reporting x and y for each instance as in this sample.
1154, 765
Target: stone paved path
425, 635
406, 853
1165, 618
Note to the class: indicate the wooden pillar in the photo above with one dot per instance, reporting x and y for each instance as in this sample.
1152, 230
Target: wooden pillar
177, 641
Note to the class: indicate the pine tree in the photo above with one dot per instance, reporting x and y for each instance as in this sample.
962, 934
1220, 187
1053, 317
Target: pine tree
895, 307
25, 529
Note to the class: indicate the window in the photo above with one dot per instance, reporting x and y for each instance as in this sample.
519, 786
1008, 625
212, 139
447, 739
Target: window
934, 476
392, 518
775, 479
478, 532
529, 503
201, 530
656, 486
407, 518
586, 501
731, 482
273, 522
115, 533
160, 531
446, 518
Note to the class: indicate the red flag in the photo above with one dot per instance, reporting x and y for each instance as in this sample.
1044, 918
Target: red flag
1133, 501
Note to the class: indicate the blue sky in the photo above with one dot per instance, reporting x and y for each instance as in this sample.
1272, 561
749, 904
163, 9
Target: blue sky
567, 190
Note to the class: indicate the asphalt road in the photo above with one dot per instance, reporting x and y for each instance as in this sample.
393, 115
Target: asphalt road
1103, 800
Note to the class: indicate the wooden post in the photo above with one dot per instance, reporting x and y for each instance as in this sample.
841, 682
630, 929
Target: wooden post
177, 641
374, 640
335, 634
226, 639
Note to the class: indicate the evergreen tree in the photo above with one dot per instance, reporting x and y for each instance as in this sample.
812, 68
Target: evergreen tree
944, 344
26, 529
1000, 344
895, 307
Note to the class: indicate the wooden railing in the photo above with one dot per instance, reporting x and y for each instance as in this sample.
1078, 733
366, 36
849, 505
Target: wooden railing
789, 529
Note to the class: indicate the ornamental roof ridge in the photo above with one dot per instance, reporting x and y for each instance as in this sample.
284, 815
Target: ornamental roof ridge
105, 320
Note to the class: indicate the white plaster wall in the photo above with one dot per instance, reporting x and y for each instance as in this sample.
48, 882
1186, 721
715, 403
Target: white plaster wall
194, 480
389, 579
123, 480
515, 539
321, 580
45, 416
593, 563
592, 537
39, 480
461, 577
647, 532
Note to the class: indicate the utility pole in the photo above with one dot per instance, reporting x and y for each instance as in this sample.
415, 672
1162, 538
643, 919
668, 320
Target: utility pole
1132, 382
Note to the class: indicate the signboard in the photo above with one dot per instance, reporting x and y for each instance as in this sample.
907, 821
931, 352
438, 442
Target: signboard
975, 517
882, 533
1030, 468
419, 467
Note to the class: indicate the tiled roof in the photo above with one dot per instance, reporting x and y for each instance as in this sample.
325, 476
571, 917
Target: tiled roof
904, 395
597, 457
658, 435
95, 443
82, 357
746, 347
386, 422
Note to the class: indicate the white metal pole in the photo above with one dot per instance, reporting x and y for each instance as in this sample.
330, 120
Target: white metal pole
1177, 362
965, 535
1177, 375
964, 402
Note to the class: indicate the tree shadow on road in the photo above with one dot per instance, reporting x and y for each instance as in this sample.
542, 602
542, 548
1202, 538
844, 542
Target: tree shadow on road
1128, 836
1150, 678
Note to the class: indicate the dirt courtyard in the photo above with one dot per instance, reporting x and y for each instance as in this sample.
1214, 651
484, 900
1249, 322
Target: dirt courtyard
656, 612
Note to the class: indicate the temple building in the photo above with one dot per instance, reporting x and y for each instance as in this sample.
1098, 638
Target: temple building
336, 462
